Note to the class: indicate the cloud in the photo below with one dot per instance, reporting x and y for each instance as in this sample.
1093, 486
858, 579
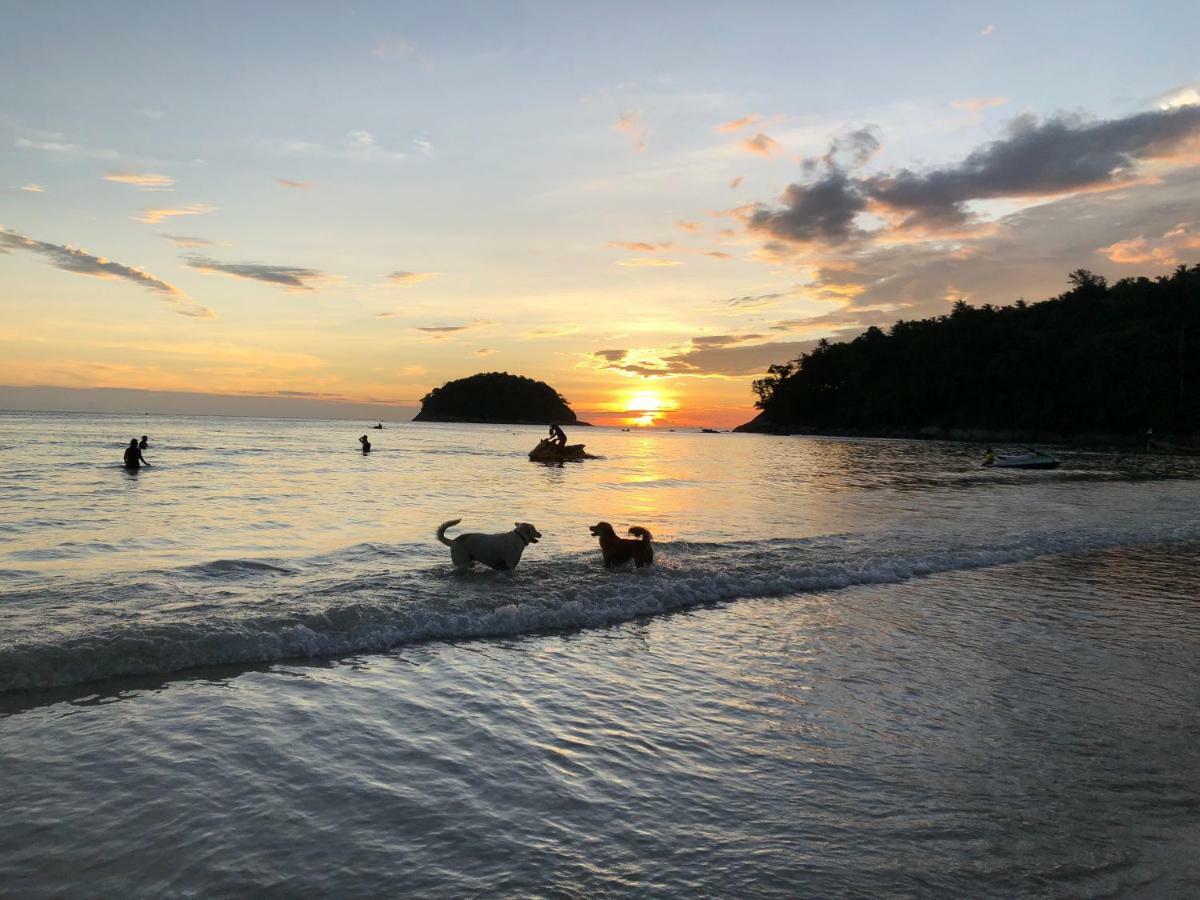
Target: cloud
689, 227
398, 49
757, 301
709, 341
182, 240
974, 106
762, 144
423, 146
148, 181
552, 331
718, 254
361, 144
1179, 245
642, 246
440, 332
736, 183
736, 124
33, 188
627, 123
1187, 95
978, 104
648, 262
848, 150
290, 278
406, 278
297, 185
710, 356
152, 215
52, 142
1058, 156
484, 351
987, 29
74, 259
152, 114
823, 211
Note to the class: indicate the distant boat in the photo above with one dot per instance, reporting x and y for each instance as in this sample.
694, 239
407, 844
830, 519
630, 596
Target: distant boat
1030, 459
709, 431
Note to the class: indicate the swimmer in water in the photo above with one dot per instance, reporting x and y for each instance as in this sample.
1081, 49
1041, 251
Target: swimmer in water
143, 443
133, 456
366, 445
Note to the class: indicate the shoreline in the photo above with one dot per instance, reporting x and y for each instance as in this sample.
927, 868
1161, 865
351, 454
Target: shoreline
1166, 444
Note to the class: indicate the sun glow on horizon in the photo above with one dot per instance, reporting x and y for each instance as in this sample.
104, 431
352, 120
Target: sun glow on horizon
643, 408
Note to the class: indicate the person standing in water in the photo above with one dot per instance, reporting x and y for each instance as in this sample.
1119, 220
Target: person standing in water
366, 445
133, 456
557, 435
143, 443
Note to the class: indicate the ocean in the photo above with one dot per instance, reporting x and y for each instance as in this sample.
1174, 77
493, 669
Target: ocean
857, 668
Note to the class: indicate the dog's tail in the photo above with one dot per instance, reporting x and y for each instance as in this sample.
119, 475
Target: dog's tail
639, 531
441, 532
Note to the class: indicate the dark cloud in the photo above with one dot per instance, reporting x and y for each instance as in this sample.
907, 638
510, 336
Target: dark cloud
1060, 155
73, 259
292, 278
756, 301
611, 355
442, 331
821, 212
723, 340
1040, 244
851, 150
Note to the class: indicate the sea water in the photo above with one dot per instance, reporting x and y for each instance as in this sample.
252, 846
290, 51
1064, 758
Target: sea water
857, 666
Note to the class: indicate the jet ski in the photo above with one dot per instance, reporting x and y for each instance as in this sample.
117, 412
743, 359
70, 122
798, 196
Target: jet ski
548, 451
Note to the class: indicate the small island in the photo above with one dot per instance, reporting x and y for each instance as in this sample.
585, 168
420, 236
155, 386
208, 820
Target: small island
496, 398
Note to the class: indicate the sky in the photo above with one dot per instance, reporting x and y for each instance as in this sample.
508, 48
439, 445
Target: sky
334, 208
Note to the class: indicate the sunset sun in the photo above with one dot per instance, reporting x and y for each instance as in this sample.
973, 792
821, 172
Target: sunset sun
644, 408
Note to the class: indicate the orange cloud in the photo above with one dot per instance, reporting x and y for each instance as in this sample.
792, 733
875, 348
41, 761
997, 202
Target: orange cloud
641, 246
648, 262
406, 278
298, 185
689, 227
762, 144
1139, 251
145, 180
737, 124
736, 183
154, 214
627, 123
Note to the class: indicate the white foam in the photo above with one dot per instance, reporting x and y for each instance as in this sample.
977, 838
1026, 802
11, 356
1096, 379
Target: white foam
377, 614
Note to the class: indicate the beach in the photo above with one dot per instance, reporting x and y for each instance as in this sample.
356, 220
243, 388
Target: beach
858, 667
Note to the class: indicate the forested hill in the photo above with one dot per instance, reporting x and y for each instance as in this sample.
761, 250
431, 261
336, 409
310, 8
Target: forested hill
496, 397
1099, 359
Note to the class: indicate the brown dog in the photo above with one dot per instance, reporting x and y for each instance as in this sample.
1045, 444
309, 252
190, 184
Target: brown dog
617, 550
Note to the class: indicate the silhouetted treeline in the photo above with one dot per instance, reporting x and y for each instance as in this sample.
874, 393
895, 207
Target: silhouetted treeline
495, 397
1100, 358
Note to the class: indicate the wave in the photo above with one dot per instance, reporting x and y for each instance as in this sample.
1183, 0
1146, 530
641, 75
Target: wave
381, 611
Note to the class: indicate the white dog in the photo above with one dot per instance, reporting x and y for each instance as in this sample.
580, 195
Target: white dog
499, 551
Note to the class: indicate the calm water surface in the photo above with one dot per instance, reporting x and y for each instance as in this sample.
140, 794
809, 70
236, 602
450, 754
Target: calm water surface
859, 668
